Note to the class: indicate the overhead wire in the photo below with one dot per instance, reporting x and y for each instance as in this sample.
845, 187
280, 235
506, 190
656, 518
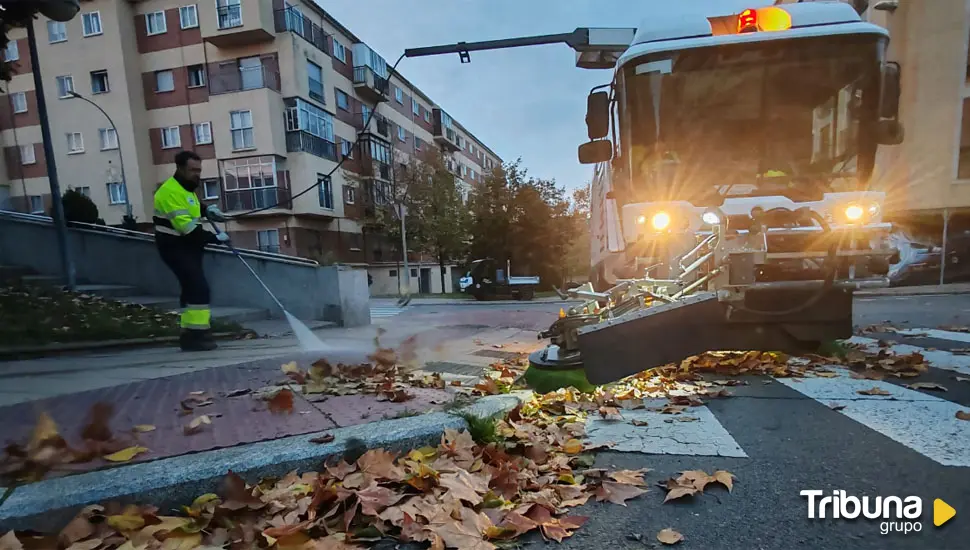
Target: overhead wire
343, 157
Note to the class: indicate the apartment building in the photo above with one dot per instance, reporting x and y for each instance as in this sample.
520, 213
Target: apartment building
270, 94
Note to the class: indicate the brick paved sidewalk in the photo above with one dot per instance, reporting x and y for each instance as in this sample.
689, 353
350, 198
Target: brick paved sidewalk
237, 416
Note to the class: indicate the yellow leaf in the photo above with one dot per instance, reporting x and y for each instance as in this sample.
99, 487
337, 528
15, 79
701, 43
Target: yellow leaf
290, 367
126, 522
573, 446
144, 428
669, 536
202, 500
182, 541
124, 455
44, 430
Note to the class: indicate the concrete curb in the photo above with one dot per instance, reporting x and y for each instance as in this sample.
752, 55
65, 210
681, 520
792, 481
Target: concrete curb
168, 483
40, 351
915, 291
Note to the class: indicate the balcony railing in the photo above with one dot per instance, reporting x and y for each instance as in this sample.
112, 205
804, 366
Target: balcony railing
290, 20
365, 76
242, 79
305, 142
263, 197
229, 16
378, 123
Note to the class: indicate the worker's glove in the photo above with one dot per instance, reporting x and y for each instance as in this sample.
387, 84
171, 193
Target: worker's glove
213, 213
222, 237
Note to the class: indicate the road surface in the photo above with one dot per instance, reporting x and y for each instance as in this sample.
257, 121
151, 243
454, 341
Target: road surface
780, 437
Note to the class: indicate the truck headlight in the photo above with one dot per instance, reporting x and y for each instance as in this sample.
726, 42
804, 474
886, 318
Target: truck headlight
711, 218
660, 221
854, 212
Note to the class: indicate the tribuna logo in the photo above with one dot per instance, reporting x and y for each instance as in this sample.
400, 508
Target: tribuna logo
839, 505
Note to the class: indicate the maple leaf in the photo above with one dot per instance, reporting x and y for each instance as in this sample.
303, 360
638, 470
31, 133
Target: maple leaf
669, 536
963, 415
465, 486
10, 542
555, 528
321, 369
379, 463
676, 490
96, 427
926, 386
725, 478
488, 387
77, 529
630, 477
515, 525
282, 402
875, 390
341, 470
617, 493
375, 499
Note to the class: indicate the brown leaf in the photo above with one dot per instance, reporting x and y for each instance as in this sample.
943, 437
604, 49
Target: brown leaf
196, 425
676, 490
639, 423
963, 415
375, 499
555, 528
77, 529
515, 525
630, 477
926, 386
320, 369
89, 544
725, 478
380, 464
669, 536
465, 486
325, 438
617, 493
282, 402
875, 390
10, 542
97, 426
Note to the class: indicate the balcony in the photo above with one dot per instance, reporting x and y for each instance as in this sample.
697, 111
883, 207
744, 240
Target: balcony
230, 79
374, 199
444, 133
378, 125
291, 20
251, 199
369, 85
237, 22
299, 141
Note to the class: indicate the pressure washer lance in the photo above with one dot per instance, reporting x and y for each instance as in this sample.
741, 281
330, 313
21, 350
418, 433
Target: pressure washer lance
250, 268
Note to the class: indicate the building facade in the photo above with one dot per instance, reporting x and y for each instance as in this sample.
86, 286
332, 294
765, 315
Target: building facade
271, 94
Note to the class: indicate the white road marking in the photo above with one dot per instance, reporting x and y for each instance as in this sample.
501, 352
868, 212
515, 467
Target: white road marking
936, 358
382, 312
936, 333
922, 422
665, 434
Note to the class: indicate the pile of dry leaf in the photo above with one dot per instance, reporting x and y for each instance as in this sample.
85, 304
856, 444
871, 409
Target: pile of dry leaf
459, 494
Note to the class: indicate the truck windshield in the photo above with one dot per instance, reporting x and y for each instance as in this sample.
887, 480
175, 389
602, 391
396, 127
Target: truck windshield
783, 117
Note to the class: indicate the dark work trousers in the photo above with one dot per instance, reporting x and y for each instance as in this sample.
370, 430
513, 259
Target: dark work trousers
186, 263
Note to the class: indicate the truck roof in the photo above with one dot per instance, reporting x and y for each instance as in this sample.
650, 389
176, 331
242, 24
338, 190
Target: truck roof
688, 26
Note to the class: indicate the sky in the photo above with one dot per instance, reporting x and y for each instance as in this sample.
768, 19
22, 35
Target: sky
527, 103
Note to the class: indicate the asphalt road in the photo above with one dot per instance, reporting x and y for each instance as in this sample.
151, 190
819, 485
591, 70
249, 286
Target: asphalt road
907, 445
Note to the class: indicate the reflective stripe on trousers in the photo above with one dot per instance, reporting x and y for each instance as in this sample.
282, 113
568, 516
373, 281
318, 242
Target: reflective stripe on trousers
196, 317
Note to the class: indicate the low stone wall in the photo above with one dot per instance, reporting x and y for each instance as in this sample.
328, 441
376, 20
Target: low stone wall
101, 255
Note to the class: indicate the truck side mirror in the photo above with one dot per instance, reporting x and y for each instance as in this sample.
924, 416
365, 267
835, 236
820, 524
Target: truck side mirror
594, 152
598, 115
889, 107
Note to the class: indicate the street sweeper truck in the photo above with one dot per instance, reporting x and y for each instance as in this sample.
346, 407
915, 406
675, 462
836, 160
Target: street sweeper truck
731, 206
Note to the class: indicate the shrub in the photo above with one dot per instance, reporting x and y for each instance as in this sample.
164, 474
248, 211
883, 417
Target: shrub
79, 208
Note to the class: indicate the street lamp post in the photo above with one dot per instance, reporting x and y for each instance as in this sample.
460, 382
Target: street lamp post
60, 224
402, 212
121, 156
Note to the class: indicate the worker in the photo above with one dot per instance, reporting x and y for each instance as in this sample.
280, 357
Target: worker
181, 239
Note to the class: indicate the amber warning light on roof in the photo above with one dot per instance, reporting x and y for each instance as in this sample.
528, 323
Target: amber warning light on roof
764, 19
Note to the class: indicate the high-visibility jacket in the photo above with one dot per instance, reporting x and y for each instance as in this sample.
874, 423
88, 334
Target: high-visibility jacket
177, 210
775, 174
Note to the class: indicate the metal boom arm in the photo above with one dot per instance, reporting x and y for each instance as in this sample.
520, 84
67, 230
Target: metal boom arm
596, 48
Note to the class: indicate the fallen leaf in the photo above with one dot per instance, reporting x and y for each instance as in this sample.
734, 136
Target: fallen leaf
836, 407
197, 425
573, 447
617, 493
630, 477
10, 542
675, 490
926, 386
325, 438
126, 522
89, 544
125, 454
97, 427
143, 428
282, 402
669, 536
873, 391
963, 415
639, 422
725, 478
465, 486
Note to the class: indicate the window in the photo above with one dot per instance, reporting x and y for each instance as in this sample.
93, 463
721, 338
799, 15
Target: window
241, 127
84, 191
415, 107
347, 149
27, 154
91, 23
392, 273
36, 204
251, 173
65, 86
417, 143
75, 143
313, 120
203, 133
402, 134
56, 32
109, 139
19, 102
196, 76
155, 23
268, 240
117, 193
399, 95
164, 81
171, 138
210, 188
343, 100
414, 272
339, 51
315, 75
461, 142
325, 187
474, 177
229, 13
351, 195
188, 17
427, 115
99, 82
12, 51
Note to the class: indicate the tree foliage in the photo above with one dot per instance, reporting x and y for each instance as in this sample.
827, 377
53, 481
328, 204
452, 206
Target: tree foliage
79, 208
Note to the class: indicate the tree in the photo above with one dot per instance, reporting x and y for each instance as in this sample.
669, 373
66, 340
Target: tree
578, 252
79, 208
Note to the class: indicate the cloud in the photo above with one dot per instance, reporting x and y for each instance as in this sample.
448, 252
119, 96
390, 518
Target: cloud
523, 102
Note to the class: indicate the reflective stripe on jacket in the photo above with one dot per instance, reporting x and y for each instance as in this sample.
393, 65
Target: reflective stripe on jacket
177, 211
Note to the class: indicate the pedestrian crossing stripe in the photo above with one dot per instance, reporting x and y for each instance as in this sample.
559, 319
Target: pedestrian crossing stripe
385, 311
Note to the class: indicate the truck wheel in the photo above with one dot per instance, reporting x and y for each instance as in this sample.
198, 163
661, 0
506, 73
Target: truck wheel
526, 294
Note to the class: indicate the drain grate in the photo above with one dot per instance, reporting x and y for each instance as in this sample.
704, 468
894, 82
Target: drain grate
495, 354
454, 368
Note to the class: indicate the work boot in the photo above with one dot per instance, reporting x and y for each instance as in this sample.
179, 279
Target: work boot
194, 340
